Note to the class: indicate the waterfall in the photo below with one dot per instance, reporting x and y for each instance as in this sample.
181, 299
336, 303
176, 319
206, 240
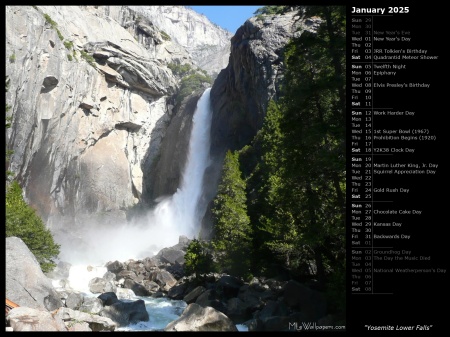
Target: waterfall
181, 214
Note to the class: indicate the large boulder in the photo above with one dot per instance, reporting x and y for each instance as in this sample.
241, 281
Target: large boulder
125, 313
77, 320
198, 318
164, 279
310, 302
194, 294
91, 305
74, 301
136, 287
228, 286
29, 319
62, 319
100, 285
115, 267
26, 284
171, 255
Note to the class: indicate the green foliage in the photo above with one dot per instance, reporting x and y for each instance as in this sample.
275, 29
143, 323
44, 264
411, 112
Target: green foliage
304, 151
232, 237
68, 44
180, 69
295, 166
23, 222
69, 57
12, 58
270, 10
191, 83
49, 20
9, 153
88, 58
61, 37
165, 36
54, 25
198, 259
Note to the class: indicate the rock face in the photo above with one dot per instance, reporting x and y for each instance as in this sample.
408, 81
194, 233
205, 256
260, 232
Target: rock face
197, 318
207, 43
242, 90
26, 284
169, 166
90, 96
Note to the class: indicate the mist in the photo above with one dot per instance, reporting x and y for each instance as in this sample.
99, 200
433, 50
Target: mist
173, 216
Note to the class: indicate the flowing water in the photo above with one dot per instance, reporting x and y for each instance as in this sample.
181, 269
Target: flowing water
180, 214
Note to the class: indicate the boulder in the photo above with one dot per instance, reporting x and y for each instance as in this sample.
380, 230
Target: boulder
115, 267
210, 298
236, 310
310, 302
228, 286
108, 298
125, 313
171, 255
177, 292
74, 301
194, 294
125, 294
26, 284
91, 305
197, 318
137, 288
77, 320
273, 308
29, 319
164, 279
100, 285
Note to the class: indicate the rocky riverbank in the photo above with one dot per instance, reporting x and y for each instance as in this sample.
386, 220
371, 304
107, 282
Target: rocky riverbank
216, 302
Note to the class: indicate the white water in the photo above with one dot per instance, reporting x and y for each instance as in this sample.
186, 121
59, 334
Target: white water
177, 215
181, 214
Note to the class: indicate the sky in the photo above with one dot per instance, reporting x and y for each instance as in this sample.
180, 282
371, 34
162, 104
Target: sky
227, 17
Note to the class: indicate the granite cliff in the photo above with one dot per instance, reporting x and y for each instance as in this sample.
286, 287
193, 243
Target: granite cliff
91, 96
95, 127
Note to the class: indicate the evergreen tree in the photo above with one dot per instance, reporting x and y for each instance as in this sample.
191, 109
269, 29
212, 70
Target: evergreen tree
232, 237
23, 222
303, 153
198, 259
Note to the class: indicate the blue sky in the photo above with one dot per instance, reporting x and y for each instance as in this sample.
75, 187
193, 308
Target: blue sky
228, 17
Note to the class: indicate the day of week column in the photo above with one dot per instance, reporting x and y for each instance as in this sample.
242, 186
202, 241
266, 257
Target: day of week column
361, 149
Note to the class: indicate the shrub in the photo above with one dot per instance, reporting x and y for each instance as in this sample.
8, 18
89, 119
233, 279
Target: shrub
180, 69
89, 58
191, 83
54, 25
269, 10
68, 44
23, 222
198, 259
165, 36
12, 58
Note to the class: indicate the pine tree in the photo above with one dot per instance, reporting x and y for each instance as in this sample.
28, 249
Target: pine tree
232, 238
23, 222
